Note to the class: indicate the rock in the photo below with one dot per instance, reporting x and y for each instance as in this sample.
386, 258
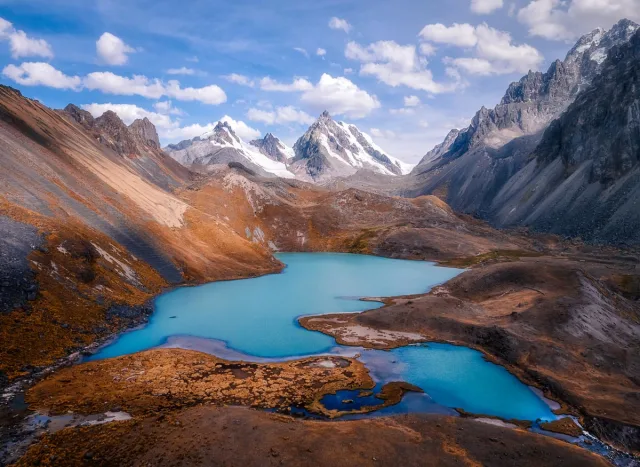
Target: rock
145, 132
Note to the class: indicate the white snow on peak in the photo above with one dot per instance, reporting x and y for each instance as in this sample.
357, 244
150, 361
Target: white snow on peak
599, 55
252, 154
355, 153
288, 151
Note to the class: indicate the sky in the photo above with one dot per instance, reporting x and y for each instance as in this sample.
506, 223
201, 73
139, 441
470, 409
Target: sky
404, 71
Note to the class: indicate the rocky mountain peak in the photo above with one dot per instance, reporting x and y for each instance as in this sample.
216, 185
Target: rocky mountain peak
83, 117
145, 132
114, 133
273, 148
336, 149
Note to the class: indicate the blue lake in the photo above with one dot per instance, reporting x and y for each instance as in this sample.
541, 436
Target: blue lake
257, 319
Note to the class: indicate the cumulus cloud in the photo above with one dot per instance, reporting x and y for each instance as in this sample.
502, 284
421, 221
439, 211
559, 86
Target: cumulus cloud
239, 79
427, 49
280, 115
181, 71
494, 52
340, 96
41, 74
112, 50
461, 35
212, 94
111, 83
567, 20
21, 45
411, 101
341, 24
483, 7
396, 65
321, 52
241, 129
167, 108
298, 84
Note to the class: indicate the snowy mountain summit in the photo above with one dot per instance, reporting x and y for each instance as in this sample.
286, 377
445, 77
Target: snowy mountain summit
337, 149
222, 146
327, 150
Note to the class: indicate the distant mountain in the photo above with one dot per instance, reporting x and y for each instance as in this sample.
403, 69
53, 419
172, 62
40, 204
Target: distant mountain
332, 149
273, 148
223, 146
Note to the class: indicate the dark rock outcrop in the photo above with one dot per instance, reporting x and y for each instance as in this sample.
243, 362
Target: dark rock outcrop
145, 132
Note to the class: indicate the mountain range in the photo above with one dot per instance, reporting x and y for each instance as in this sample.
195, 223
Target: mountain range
327, 150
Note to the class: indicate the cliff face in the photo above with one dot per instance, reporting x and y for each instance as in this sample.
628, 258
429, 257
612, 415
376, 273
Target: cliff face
583, 179
559, 146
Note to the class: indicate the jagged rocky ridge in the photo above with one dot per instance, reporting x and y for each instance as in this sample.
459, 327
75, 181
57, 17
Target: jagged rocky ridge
481, 165
327, 150
273, 148
223, 146
332, 149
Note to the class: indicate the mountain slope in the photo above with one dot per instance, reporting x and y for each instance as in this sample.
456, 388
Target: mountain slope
222, 146
484, 158
583, 179
332, 149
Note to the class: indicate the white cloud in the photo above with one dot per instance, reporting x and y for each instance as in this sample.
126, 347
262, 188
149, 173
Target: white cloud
193, 59
129, 112
411, 101
461, 35
41, 74
483, 7
112, 50
241, 129
302, 51
348, 71
496, 46
181, 71
239, 79
111, 83
185, 132
493, 49
340, 96
21, 45
321, 52
298, 84
567, 20
396, 65
377, 133
212, 94
474, 66
281, 115
167, 108
338, 23
427, 49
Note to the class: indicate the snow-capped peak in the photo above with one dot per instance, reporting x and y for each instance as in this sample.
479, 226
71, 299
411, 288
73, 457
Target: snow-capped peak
330, 148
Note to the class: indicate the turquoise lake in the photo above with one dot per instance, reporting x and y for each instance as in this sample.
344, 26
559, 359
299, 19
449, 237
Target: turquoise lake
257, 319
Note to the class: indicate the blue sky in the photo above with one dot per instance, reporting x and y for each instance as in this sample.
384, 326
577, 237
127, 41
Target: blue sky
405, 71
